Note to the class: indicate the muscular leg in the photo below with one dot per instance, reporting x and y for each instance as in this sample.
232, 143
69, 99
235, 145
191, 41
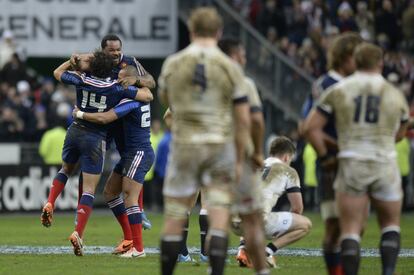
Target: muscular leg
254, 239
184, 249
203, 223
90, 181
300, 227
112, 190
176, 210
389, 213
131, 191
352, 220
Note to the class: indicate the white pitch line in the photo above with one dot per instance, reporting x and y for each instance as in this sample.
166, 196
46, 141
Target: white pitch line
305, 252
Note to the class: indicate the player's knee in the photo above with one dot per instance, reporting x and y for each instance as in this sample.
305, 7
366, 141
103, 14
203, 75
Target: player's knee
218, 198
175, 209
67, 168
306, 225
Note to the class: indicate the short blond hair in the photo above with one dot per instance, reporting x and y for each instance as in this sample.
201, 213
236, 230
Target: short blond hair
342, 48
205, 22
368, 56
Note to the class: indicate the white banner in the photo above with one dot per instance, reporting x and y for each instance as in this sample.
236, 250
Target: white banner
57, 28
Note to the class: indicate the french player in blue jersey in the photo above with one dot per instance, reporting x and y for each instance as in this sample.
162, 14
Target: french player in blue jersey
85, 141
136, 160
341, 64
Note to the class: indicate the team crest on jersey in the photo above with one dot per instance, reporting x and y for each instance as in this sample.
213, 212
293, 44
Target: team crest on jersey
123, 65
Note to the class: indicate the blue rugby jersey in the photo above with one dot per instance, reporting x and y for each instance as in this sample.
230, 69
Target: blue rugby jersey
96, 95
323, 83
137, 123
124, 61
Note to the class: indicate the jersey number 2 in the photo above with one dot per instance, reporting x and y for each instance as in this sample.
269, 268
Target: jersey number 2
91, 97
146, 116
371, 108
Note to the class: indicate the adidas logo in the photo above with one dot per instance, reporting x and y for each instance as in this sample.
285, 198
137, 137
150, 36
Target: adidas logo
81, 211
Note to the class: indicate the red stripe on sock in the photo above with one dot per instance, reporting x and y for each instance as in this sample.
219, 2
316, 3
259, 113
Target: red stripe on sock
126, 228
137, 236
83, 212
336, 270
55, 190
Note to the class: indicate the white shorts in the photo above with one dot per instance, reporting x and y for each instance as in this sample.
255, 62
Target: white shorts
277, 224
381, 180
192, 165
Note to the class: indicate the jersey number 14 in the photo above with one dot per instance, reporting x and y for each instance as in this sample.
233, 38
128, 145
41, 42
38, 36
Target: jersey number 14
90, 98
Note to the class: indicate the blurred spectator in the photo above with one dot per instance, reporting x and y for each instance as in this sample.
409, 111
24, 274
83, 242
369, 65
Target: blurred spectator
310, 180
271, 16
11, 125
365, 21
7, 48
14, 70
386, 22
346, 21
403, 158
51, 144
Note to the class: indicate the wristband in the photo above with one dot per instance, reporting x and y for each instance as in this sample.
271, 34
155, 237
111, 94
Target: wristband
79, 114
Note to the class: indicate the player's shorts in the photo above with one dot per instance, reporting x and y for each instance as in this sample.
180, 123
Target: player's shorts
381, 180
192, 165
136, 164
247, 192
277, 224
84, 145
326, 179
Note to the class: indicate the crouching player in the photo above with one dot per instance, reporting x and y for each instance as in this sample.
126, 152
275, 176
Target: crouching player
136, 161
282, 228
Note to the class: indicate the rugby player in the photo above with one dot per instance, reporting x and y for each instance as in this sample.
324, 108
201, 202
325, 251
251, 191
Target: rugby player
248, 199
206, 100
282, 228
85, 141
137, 159
370, 114
341, 64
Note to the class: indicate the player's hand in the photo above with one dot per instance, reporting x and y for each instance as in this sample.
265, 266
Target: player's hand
128, 81
257, 161
74, 111
328, 162
74, 59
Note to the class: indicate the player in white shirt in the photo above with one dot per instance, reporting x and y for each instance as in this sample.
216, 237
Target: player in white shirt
370, 115
285, 227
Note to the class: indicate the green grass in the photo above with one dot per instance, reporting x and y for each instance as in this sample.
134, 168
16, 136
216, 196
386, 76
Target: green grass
102, 229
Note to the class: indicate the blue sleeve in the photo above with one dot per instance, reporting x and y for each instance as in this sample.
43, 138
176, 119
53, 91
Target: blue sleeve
124, 108
71, 78
130, 92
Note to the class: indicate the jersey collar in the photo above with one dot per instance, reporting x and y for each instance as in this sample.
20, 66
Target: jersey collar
272, 160
335, 75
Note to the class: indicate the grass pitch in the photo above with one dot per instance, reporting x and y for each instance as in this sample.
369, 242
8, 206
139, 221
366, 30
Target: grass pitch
103, 230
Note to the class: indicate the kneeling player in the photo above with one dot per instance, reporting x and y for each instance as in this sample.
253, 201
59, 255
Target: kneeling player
282, 228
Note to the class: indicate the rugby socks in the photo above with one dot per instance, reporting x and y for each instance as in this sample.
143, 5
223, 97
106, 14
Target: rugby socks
170, 247
118, 208
389, 248
84, 211
270, 249
333, 262
217, 251
57, 187
184, 249
135, 222
203, 222
350, 253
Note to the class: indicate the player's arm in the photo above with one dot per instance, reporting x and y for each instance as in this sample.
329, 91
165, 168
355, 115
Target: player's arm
313, 129
115, 113
138, 94
257, 133
241, 114
65, 66
295, 200
141, 79
166, 71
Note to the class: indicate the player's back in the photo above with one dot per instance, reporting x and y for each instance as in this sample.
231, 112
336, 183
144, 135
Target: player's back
277, 179
368, 112
201, 85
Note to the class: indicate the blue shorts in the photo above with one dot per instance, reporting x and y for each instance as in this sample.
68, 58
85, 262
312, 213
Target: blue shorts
136, 164
85, 145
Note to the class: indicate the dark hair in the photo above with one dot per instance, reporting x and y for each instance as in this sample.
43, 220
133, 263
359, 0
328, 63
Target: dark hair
110, 37
101, 64
228, 45
282, 145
